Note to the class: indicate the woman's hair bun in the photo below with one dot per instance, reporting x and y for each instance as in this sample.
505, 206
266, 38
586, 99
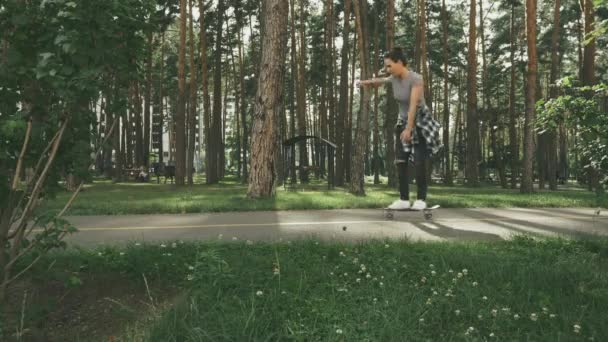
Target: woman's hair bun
396, 55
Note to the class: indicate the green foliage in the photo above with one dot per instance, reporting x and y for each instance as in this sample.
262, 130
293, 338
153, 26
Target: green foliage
56, 58
585, 109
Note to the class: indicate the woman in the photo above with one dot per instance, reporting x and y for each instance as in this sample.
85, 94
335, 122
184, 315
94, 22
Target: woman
416, 130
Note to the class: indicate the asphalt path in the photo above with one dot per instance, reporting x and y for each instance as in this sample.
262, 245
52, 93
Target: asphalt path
344, 225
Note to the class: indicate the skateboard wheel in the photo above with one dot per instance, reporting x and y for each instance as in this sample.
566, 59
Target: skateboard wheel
388, 215
428, 216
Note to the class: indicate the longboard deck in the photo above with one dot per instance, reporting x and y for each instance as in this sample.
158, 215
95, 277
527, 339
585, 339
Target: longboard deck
429, 208
428, 212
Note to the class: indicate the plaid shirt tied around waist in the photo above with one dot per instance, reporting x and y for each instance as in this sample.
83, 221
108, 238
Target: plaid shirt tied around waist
429, 128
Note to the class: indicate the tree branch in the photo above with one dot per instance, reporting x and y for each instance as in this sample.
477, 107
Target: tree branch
28, 133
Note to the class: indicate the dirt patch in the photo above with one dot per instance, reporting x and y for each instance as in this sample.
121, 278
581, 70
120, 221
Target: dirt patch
89, 307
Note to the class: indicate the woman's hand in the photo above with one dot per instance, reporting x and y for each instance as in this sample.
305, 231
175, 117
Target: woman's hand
406, 135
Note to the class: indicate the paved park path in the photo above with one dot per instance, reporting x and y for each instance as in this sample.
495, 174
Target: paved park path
345, 225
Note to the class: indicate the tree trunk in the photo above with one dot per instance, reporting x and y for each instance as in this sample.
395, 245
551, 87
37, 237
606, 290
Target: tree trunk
206, 98
331, 81
148, 102
589, 77
376, 138
192, 108
552, 138
343, 102
357, 179
139, 148
161, 115
110, 145
180, 117
348, 139
221, 170
527, 171
458, 129
446, 110
216, 120
513, 142
293, 90
269, 99
243, 114
390, 115
301, 104
423, 58
472, 152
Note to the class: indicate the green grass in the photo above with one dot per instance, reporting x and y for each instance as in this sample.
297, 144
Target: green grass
310, 290
106, 198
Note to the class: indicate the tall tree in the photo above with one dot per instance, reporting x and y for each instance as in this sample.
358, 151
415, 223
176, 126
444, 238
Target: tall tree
192, 108
589, 73
216, 119
423, 55
376, 133
269, 99
552, 135
446, 104
293, 89
343, 101
301, 96
205, 86
513, 141
357, 179
180, 120
390, 117
527, 170
243, 113
472, 152
148, 100
161, 112
488, 109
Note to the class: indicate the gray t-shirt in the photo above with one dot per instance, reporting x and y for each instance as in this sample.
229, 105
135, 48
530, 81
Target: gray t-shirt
402, 91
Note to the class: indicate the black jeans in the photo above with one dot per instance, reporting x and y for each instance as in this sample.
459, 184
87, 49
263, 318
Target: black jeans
421, 155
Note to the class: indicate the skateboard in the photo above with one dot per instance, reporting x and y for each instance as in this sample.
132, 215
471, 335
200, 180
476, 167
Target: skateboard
428, 212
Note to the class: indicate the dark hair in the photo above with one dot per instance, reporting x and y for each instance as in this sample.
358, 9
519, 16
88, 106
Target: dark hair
396, 55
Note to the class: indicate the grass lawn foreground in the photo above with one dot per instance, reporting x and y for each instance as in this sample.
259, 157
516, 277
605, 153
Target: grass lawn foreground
305, 290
